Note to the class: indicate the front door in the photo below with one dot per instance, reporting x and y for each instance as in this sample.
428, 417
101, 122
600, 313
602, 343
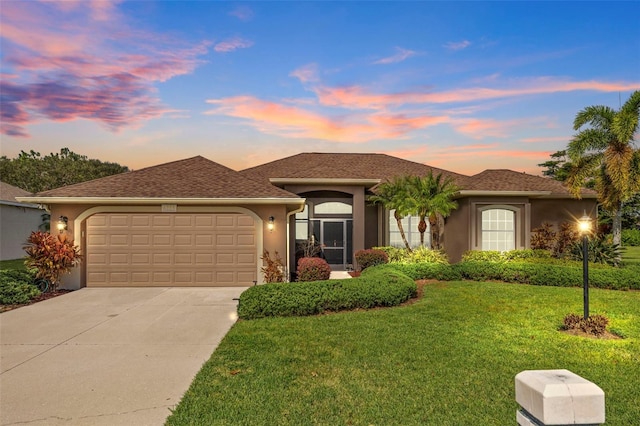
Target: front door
335, 238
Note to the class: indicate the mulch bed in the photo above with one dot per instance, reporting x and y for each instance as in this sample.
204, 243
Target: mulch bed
43, 296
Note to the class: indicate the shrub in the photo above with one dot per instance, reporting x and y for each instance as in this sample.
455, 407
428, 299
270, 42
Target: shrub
370, 257
560, 275
544, 237
631, 237
594, 324
313, 269
16, 287
394, 254
599, 250
424, 271
371, 289
417, 255
512, 255
51, 255
274, 269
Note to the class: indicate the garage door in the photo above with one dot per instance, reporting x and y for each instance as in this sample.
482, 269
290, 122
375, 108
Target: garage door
171, 250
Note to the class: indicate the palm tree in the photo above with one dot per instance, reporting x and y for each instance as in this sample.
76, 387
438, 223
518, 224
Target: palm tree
392, 195
605, 152
431, 197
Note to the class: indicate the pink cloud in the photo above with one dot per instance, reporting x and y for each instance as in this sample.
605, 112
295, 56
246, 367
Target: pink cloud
306, 74
547, 139
232, 44
243, 13
358, 97
401, 55
75, 60
459, 45
294, 122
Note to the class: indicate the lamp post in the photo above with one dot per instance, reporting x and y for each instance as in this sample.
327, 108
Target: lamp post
584, 226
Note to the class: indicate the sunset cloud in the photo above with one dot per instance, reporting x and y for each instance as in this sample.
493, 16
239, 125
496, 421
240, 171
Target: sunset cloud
457, 45
103, 71
294, 122
401, 55
232, 44
243, 13
358, 97
306, 73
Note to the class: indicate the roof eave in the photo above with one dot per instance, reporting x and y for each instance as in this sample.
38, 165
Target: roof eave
324, 181
15, 204
530, 194
158, 201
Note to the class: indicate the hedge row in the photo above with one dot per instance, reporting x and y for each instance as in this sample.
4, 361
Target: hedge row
521, 272
371, 289
16, 287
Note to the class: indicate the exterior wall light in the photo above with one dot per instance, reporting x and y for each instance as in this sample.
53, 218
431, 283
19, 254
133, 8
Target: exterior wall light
271, 223
584, 226
62, 224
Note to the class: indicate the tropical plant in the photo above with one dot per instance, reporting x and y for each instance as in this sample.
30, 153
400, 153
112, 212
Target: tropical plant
274, 267
431, 197
51, 256
392, 194
599, 250
604, 150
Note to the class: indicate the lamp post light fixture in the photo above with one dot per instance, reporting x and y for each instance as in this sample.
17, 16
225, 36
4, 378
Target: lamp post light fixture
584, 226
271, 223
62, 224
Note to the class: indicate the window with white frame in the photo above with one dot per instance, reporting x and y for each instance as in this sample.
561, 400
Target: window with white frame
410, 227
498, 229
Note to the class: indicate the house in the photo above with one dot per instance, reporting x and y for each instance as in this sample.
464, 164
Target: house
17, 221
197, 223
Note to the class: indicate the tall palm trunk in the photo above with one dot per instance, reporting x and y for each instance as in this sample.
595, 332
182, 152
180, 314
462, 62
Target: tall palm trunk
401, 228
617, 225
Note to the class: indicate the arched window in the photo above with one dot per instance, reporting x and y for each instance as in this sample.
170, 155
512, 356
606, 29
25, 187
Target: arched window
333, 207
498, 229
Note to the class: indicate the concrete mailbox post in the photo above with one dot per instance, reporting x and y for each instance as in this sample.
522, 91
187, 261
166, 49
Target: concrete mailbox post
557, 397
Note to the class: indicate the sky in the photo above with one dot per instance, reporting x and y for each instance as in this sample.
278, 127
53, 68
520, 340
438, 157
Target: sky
464, 86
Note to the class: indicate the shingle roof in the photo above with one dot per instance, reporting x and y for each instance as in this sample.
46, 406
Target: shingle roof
10, 192
313, 165
195, 177
508, 180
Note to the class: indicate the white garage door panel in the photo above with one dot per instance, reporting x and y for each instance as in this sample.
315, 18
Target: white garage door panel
171, 250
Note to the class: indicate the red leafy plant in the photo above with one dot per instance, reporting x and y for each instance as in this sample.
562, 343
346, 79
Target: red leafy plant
51, 256
274, 267
313, 269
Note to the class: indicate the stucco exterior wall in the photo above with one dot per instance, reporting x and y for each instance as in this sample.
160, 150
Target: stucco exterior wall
463, 227
16, 223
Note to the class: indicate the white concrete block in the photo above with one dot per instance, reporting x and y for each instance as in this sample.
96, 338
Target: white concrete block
560, 397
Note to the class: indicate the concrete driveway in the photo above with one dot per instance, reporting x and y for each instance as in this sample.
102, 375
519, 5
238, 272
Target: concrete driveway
108, 356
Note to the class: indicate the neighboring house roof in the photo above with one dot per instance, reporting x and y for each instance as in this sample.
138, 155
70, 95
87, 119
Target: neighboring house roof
340, 166
8, 194
194, 178
508, 181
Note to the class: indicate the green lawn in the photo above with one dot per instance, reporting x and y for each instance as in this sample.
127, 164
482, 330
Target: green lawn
449, 359
12, 264
631, 255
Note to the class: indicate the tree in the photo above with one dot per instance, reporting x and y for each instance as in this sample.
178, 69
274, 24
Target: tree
431, 197
392, 194
604, 149
558, 167
35, 173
